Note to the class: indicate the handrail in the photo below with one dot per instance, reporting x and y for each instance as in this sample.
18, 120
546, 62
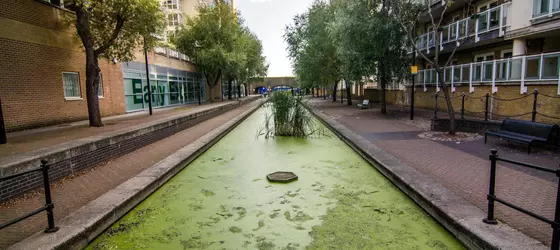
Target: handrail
49, 205
494, 158
462, 26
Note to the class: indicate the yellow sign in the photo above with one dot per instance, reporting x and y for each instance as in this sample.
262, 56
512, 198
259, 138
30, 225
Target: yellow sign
414, 70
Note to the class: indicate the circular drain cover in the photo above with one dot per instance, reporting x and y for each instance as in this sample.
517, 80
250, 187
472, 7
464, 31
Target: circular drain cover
283, 177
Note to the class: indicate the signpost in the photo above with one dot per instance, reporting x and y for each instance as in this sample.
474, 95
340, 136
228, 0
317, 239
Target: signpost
413, 72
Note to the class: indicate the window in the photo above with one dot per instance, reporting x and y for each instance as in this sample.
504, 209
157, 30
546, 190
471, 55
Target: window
100, 89
174, 19
483, 67
543, 7
492, 16
71, 82
171, 4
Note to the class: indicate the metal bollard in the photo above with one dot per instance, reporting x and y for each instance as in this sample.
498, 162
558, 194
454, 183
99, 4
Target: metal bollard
48, 200
436, 107
486, 107
491, 194
463, 105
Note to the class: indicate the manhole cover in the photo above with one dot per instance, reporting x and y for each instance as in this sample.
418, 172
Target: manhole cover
283, 177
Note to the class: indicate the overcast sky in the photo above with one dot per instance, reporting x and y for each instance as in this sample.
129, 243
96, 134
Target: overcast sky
267, 18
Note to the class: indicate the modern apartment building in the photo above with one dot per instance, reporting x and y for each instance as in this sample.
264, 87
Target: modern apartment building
42, 72
506, 48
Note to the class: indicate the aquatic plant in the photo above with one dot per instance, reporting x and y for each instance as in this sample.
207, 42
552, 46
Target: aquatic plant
286, 115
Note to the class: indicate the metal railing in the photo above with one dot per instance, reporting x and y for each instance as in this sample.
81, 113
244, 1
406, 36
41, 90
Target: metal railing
171, 53
492, 19
529, 68
545, 8
49, 205
488, 113
494, 158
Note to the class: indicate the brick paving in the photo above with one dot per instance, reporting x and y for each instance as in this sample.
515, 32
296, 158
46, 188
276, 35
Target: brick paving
72, 193
29, 140
462, 168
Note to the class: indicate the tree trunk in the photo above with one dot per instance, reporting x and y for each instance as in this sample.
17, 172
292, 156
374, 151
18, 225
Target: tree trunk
348, 95
324, 94
92, 88
450, 111
383, 84
238, 91
335, 86
246, 90
230, 87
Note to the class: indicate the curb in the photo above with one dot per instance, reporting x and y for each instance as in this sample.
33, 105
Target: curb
84, 225
458, 216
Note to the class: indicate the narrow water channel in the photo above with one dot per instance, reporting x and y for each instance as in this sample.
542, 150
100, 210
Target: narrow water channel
223, 201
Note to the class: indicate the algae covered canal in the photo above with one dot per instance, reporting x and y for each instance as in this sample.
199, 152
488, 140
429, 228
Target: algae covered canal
223, 200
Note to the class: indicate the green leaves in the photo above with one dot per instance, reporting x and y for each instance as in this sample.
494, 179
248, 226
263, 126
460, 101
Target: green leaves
217, 40
312, 50
115, 28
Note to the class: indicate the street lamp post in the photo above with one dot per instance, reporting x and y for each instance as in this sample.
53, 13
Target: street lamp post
148, 77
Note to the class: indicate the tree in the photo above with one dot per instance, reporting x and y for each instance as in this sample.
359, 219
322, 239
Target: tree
254, 66
209, 40
111, 29
313, 53
370, 41
409, 12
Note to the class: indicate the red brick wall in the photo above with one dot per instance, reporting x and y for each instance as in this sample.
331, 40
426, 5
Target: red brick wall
31, 85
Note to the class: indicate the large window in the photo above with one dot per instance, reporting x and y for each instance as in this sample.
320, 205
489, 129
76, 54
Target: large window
174, 19
71, 84
543, 7
171, 4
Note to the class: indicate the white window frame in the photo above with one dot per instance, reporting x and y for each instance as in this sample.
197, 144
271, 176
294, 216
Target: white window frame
174, 22
72, 98
487, 5
170, 3
485, 55
100, 87
503, 52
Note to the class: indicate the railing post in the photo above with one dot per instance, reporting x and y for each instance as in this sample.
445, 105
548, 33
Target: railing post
534, 116
48, 200
471, 89
501, 21
490, 216
486, 108
556, 223
463, 105
436, 107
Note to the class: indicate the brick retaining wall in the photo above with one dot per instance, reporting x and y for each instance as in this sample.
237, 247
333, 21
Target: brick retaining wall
88, 155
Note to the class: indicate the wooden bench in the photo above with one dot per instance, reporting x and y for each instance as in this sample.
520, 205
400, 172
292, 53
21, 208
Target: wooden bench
364, 104
526, 132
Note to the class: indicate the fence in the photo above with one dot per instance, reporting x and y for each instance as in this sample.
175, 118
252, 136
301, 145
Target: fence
487, 112
49, 205
494, 158
519, 69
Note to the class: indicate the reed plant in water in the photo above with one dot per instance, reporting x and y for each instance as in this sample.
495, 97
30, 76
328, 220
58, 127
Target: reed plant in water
286, 115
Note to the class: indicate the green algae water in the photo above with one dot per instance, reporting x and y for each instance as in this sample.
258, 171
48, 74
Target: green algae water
223, 200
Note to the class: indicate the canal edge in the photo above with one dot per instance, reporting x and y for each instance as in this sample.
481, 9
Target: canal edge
458, 216
81, 227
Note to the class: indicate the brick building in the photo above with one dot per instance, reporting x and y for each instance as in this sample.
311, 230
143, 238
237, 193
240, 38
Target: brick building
510, 49
42, 73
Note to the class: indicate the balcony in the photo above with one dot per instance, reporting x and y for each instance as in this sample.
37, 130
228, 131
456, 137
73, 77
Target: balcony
545, 8
520, 69
494, 19
171, 53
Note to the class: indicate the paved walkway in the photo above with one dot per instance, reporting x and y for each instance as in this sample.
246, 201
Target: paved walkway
29, 140
74, 192
462, 168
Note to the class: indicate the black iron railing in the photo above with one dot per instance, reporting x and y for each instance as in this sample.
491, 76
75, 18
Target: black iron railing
487, 112
49, 205
492, 198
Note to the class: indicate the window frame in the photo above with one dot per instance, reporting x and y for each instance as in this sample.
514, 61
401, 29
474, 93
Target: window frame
72, 98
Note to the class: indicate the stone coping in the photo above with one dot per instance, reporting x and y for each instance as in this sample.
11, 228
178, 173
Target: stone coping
458, 216
88, 222
64, 151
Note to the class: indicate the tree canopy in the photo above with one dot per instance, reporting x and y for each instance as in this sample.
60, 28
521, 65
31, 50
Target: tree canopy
111, 29
220, 45
313, 52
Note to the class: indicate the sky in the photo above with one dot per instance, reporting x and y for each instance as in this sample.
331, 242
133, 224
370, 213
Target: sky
267, 19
